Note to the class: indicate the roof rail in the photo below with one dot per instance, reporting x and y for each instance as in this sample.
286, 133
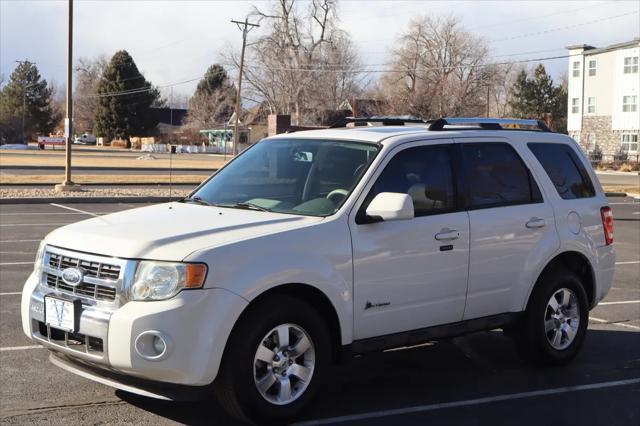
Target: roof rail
400, 120
488, 123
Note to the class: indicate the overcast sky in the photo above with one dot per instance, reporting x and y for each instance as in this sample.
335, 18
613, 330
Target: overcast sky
174, 41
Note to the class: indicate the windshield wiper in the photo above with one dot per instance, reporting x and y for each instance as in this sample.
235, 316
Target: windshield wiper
246, 206
196, 199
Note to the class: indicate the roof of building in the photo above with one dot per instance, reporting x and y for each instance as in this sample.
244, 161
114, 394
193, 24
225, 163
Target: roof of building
591, 50
171, 115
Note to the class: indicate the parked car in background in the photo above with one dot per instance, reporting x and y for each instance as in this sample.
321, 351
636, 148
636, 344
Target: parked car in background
85, 139
315, 246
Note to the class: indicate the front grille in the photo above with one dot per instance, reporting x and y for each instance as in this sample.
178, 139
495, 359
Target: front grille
93, 291
74, 341
91, 269
99, 279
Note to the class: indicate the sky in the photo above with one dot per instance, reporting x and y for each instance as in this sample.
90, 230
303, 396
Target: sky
175, 41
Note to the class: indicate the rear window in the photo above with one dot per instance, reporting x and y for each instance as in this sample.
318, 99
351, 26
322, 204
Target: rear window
565, 170
496, 176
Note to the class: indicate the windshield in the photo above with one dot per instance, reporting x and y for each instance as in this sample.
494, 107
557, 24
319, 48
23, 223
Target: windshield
308, 177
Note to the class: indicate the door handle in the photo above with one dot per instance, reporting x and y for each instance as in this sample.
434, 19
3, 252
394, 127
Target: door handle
446, 235
535, 222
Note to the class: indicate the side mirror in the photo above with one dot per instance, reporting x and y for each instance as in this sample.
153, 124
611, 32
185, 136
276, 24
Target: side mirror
390, 206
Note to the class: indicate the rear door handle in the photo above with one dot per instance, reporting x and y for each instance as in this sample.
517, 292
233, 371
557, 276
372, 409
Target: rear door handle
535, 222
447, 235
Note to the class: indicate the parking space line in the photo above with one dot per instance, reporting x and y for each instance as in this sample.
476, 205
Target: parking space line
468, 402
20, 241
633, 262
74, 210
10, 293
621, 302
15, 263
620, 324
44, 214
20, 348
36, 224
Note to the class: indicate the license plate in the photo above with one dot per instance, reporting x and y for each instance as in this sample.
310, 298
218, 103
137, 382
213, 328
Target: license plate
60, 313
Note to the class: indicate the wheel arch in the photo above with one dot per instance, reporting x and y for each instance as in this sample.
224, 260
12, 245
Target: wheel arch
314, 297
575, 262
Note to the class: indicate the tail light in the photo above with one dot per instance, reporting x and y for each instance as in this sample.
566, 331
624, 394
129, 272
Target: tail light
607, 224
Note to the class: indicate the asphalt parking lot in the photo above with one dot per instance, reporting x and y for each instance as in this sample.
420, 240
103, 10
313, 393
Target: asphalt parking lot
476, 380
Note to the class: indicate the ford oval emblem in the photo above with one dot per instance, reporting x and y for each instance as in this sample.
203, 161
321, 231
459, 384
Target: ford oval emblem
72, 276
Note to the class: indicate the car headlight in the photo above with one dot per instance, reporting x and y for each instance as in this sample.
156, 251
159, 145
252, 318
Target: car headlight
37, 265
163, 280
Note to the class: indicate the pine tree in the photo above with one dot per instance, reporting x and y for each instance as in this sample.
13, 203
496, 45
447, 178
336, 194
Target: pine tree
25, 84
125, 99
536, 96
213, 101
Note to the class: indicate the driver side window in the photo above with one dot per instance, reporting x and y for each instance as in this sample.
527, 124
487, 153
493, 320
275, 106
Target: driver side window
424, 173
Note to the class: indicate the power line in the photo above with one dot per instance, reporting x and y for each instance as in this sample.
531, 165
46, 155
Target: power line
551, 30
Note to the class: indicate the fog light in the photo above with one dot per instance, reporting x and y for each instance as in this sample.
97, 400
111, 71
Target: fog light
153, 345
158, 344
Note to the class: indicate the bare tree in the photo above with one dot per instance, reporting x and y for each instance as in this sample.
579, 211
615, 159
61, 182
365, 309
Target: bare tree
304, 64
439, 69
88, 74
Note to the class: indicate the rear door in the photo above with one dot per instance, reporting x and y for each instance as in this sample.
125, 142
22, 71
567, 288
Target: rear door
512, 228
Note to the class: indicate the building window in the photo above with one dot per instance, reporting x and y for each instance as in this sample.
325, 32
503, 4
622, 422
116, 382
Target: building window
575, 105
591, 105
631, 65
592, 68
629, 142
576, 69
629, 103
591, 142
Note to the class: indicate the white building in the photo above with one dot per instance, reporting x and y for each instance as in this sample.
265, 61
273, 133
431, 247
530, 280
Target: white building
604, 97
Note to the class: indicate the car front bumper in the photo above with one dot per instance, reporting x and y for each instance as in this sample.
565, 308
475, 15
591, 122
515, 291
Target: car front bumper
195, 326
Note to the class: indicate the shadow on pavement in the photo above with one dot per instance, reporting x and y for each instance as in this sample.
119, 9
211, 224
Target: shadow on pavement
481, 365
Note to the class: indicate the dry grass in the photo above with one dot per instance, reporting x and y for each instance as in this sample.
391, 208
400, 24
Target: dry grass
103, 179
34, 158
632, 189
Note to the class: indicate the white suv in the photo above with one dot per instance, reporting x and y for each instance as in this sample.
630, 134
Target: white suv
315, 245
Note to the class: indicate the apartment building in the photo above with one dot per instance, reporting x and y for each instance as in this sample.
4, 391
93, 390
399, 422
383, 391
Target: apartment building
604, 99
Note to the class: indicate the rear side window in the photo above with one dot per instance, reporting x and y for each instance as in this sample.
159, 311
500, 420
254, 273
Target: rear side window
496, 176
425, 174
565, 170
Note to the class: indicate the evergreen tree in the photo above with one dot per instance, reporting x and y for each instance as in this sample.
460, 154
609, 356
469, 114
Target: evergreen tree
536, 96
25, 85
125, 99
213, 101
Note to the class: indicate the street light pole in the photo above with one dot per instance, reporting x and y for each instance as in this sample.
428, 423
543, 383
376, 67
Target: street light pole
67, 184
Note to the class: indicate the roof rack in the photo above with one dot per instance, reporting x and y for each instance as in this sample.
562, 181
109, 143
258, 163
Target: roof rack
384, 120
488, 123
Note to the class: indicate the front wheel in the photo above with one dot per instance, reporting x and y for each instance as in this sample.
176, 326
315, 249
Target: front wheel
555, 323
274, 361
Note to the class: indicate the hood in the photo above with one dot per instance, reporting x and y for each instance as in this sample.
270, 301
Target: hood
170, 231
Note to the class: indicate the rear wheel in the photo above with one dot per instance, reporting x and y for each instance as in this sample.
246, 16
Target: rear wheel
274, 361
555, 323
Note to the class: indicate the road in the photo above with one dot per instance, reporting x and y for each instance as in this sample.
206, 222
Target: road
477, 380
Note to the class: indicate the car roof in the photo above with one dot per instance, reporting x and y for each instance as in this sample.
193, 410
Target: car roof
391, 135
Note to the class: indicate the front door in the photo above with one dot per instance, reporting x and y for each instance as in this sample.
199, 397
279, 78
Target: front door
410, 274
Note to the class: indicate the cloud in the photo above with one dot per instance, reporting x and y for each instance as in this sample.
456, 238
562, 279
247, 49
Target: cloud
173, 41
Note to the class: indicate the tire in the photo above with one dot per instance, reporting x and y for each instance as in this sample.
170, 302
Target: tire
236, 386
554, 337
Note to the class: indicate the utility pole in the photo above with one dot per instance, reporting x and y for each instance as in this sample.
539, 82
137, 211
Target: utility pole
245, 27
67, 184
24, 100
488, 104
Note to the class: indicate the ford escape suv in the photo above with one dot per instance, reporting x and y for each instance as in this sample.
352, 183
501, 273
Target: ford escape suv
315, 245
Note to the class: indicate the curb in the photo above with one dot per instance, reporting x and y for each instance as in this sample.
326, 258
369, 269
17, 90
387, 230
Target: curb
98, 185
95, 200
114, 169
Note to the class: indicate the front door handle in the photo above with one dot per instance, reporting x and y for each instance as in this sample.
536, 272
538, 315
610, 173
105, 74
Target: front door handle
447, 235
535, 222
